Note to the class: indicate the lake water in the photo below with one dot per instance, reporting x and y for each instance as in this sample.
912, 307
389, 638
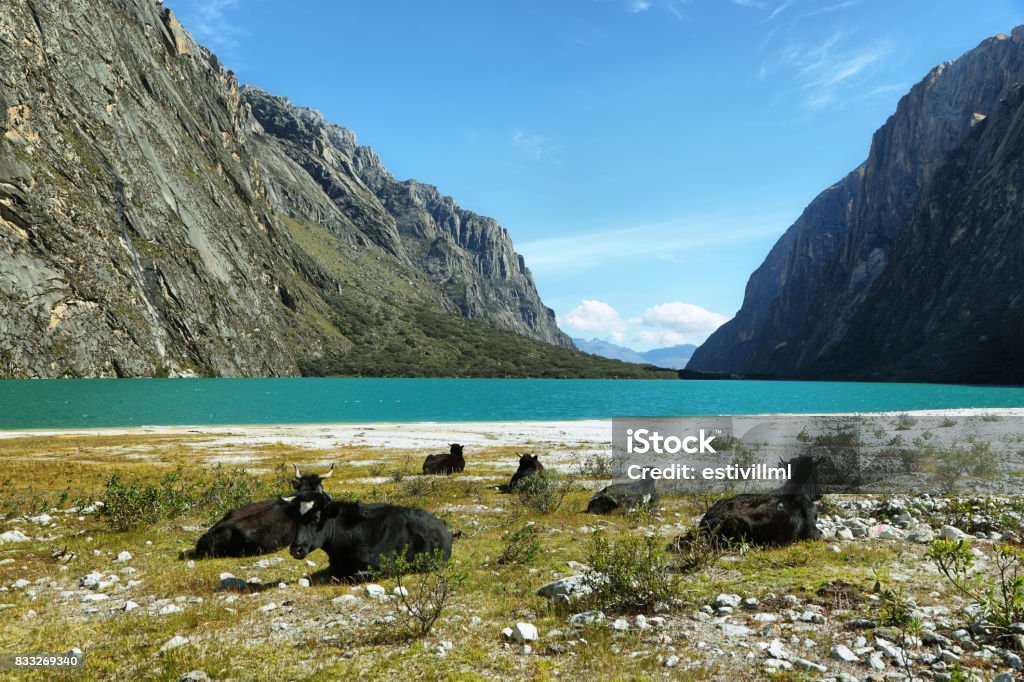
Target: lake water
76, 403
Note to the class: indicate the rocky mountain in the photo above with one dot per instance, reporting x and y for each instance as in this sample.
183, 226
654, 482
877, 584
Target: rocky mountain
673, 357
158, 218
824, 303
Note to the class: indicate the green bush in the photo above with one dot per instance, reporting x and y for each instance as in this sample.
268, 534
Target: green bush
1001, 595
544, 491
128, 505
632, 574
425, 585
521, 547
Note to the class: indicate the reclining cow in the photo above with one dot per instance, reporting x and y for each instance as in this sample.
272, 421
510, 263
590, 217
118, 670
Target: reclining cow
450, 463
778, 518
529, 465
628, 495
257, 528
361, 537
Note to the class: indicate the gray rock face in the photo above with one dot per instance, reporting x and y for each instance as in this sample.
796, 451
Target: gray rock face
151, 222
804, 305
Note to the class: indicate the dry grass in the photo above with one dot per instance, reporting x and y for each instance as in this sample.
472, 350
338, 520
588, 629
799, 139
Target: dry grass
307, 637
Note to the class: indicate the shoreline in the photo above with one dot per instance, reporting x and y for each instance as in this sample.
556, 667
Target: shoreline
385, 433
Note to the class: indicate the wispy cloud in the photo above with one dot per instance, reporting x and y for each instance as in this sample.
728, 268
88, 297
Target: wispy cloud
536, 146
757, 4
779, 10
671, 240
826, 72
673, 7
846, 4
636, 6
213, 24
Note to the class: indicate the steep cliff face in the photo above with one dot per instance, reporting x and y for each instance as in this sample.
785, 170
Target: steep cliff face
150, 223
468, 256
800, 304
949, 304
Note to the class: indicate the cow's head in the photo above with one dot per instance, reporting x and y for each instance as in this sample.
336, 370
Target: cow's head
309, 482
310, 511
527, 462
455, 449
804, 477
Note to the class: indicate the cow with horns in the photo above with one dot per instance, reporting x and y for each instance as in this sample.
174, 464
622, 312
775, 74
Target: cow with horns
260, 527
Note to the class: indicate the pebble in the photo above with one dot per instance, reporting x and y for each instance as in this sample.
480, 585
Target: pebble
194, 676
303, 582
345, 599
620, 624
124, 556
586, 618
842, 652
375, 591
524, 632
169, 609
728, 600
400, 592
672, 661
173, 643
952, 533
731, 630
267, 608
13, 536
804, 664
130, 605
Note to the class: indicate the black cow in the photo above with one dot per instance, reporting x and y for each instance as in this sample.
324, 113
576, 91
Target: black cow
257, 528
450, 463
625, 496
782, 517
529, 465
361, 537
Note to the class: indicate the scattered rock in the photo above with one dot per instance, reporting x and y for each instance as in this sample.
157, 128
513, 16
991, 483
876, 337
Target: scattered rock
169, 609
13, 536
375, 591
194, 676
586, 618
173, 643
524, 632
953, 533
841, 652
124, 556
804, 664
130, 606
233, 584
304, 582
728, 600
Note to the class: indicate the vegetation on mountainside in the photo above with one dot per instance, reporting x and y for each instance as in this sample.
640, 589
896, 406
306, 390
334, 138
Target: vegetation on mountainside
397, 328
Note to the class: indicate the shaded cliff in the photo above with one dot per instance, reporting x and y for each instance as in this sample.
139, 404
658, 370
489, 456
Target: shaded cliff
151, 223
801, 304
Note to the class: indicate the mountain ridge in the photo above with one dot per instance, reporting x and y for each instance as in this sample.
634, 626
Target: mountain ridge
799, 305
152, 224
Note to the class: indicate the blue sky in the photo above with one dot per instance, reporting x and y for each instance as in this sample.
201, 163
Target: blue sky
643, 154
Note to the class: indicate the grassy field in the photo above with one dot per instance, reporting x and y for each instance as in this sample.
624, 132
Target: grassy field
308, 633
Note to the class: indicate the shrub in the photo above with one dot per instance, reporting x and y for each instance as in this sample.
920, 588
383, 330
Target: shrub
947, 422
521, 546
133, 504
1002, 596
544, 491
905, 422
698, 549
630, 574
228, 490
424, 586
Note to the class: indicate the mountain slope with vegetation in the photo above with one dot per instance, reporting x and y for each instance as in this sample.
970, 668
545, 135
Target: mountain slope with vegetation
156, 218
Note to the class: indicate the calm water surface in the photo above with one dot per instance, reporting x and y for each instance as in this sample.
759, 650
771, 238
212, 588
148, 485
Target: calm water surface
75, 403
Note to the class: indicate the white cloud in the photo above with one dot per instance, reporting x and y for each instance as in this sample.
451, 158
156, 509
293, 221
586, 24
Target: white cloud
779, 10
596, 317
636, 6
683, 318
665, 324
749, 3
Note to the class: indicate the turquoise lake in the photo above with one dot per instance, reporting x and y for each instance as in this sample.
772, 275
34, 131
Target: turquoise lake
77, 403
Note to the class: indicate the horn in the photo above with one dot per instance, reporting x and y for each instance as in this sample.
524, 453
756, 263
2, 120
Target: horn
329, 472
288, 499
297, 474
